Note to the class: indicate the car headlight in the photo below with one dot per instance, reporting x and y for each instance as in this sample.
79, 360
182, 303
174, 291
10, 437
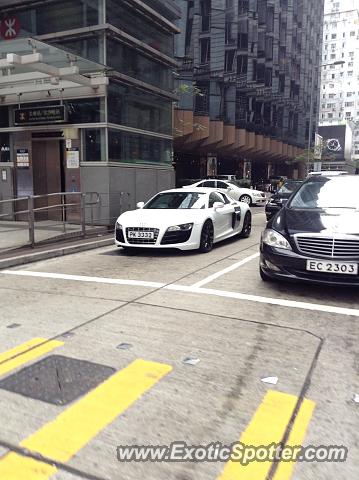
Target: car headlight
118, 226
275, 239
183, 227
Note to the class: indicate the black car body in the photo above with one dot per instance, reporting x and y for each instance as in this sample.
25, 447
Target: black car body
275, 203
315, 236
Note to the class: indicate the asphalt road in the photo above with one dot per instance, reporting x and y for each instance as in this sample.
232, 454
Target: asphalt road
142, 316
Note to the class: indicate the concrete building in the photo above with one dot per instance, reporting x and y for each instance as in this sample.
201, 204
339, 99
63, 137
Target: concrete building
340, 87
255, 70
86, 94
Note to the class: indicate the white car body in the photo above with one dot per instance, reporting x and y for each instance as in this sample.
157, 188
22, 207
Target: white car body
227, 222
237, 193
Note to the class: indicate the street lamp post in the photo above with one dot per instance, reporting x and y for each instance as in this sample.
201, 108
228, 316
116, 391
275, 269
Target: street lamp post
314, 69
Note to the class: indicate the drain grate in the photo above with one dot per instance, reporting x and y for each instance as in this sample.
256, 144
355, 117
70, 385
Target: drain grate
57, 379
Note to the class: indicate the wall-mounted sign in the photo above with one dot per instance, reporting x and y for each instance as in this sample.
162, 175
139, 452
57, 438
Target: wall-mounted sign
10, 27
22, 158
4, 175
40, 115
72, 158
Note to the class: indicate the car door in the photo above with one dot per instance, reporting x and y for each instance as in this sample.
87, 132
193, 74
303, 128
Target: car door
222, 218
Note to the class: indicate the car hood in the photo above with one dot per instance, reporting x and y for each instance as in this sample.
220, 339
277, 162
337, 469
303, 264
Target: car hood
326, 222
159, 217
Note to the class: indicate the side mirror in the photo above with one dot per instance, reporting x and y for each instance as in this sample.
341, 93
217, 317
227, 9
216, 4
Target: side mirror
218, 205
284, 202
140, 205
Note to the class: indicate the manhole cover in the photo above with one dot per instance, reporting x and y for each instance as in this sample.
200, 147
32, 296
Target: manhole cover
57, 379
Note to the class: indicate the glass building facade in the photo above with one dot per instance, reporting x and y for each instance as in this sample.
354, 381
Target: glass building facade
135, 42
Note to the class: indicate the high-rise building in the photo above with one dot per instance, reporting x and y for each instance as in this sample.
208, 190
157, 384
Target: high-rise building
248, 83
86, 95
339, 102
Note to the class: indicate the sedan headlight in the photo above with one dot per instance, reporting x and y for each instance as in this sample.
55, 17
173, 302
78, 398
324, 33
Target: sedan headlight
118, 226
275, 239
183, 227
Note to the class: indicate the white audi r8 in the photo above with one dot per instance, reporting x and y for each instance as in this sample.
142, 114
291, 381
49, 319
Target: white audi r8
186, 219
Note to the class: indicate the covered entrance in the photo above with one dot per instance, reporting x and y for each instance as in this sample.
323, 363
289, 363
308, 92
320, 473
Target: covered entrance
48, 176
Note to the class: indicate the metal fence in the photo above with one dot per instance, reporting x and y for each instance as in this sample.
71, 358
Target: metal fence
40, 219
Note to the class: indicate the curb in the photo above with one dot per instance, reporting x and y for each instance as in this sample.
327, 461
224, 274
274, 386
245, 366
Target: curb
53, 253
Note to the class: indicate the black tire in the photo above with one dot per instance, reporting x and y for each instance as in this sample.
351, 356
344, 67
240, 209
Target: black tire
207, 235
245, 199
247, 226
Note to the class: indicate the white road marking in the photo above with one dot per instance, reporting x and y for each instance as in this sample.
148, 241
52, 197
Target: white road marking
83, 278
200, 291
268, 300
224, 271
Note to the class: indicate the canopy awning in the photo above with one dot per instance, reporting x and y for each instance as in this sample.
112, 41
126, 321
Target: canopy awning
31, 70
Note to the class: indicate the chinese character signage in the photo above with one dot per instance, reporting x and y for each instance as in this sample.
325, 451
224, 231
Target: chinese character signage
40, 115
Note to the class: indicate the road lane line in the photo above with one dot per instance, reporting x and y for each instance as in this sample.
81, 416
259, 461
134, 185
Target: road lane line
267, 426
316, 307
224, 271
62, 438
83, 278
26, 352
296, 437
267, 300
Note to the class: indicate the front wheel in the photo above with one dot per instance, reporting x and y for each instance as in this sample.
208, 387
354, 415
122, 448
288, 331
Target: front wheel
247, 226
207, 235
245, 199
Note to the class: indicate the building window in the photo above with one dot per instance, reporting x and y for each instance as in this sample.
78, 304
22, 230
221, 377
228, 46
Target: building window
334, 36
136, 108
138, 149
130, 62
205, 50
57, 16
127, 19
229, 61
205, 6
94, 145
229, 38
242, 64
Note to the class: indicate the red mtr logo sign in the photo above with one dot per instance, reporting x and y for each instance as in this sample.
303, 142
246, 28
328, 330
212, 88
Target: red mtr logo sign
9, 28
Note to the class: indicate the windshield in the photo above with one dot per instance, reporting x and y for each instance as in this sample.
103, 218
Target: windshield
328, 193
289, 187
176, 200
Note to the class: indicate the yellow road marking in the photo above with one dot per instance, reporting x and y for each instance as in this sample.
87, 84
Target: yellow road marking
22, 356
296, 437
267, 426
75, 427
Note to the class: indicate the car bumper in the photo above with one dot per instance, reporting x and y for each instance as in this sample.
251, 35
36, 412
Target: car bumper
259, 200
291, 266
161, 242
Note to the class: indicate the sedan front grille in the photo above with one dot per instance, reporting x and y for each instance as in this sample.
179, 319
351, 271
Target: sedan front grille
328, 247
142, 241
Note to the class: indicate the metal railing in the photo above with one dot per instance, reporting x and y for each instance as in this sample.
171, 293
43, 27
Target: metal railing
57, 215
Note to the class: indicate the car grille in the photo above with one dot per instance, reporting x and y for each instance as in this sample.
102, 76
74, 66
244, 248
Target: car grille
142, 241
328, 247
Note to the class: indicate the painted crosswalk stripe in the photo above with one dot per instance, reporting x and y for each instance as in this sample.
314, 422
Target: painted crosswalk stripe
268, 425
62, 438
18, 356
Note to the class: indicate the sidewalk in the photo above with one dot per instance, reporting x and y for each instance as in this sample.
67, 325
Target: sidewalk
26, 254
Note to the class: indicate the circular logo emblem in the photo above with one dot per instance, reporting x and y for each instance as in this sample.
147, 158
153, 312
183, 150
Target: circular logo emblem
9, 28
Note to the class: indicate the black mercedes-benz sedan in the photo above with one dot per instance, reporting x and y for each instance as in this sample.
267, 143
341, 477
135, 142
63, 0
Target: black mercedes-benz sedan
315, 236
275, 203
